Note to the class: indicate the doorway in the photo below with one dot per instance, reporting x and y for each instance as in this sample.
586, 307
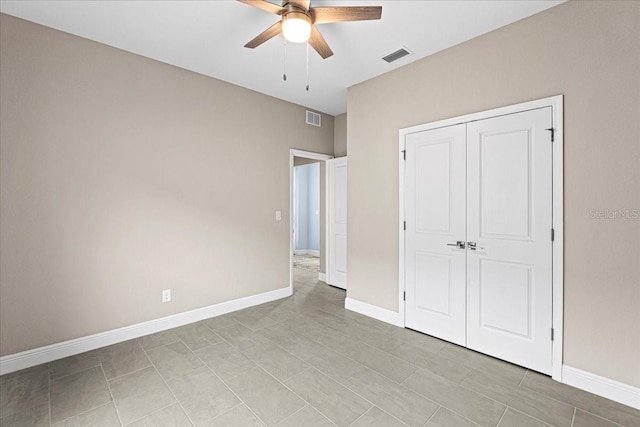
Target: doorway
308, 217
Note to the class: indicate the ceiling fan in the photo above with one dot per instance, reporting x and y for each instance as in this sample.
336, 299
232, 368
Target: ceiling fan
299, 19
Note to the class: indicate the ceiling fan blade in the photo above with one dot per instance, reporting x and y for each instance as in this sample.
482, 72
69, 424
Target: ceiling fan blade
265, 5
267, 34
326, 15
319, 43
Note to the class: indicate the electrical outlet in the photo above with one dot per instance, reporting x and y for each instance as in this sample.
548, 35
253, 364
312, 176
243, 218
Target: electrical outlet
166, 295
278, 215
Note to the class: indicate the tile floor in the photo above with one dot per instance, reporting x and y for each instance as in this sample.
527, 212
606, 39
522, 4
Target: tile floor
299, 362
307, 262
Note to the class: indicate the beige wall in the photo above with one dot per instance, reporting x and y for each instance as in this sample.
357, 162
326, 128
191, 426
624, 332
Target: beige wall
340, 135
588, 51
299, 161
122, 176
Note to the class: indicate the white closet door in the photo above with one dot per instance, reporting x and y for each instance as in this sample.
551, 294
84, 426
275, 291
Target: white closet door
509, 218
337, 172
435, 221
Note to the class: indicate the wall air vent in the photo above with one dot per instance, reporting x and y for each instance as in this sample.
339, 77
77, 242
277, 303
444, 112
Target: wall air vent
313, 119
394, 56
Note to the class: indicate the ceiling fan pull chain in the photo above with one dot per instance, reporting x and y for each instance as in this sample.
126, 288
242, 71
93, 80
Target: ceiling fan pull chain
284, 71
307, 66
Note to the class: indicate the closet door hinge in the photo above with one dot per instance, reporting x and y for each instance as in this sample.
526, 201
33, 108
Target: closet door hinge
553, 235
552, 334
404, 296
553, 133
404, 154
404, 225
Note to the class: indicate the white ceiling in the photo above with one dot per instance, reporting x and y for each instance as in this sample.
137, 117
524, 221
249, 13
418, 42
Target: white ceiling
208, 37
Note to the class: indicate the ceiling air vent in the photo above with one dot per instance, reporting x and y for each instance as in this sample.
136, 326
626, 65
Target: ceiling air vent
394, 56
313, 119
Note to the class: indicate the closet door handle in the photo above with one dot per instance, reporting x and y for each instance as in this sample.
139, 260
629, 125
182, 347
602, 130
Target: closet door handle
459, 244
473, 246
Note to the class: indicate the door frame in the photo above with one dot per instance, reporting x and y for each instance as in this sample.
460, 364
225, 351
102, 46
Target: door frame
556, 104
314, 156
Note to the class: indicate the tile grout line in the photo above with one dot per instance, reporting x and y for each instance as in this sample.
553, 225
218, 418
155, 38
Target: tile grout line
508, 406
531, 416
293, 392
242, 402
293, 414
457, 413
391, 415
362, 364
597, 416
403, 342
110, 393
393, 356
573, 418
308, 405
156, 411
451, 410
502, 416
128, 373
165, 381
88, 410
396, 418
432, 415
353, 391
570, 404
76, 372
362, 415
373, 370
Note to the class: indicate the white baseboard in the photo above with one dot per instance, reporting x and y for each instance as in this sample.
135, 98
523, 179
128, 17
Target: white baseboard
36, 356
381, 314
605, 387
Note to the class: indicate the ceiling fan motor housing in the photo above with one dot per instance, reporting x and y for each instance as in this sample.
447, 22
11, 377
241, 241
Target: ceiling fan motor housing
296, 25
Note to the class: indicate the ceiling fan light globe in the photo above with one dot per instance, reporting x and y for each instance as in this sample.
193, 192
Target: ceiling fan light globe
296, 27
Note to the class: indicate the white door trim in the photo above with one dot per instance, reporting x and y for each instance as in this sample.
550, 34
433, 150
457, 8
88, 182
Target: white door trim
315, 156
556, 103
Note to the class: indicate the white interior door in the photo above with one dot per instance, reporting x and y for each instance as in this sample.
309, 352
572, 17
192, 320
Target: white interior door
337, 268
509, 218
435, 221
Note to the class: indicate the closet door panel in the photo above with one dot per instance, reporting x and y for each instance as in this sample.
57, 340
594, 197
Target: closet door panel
509, 221
435, 217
